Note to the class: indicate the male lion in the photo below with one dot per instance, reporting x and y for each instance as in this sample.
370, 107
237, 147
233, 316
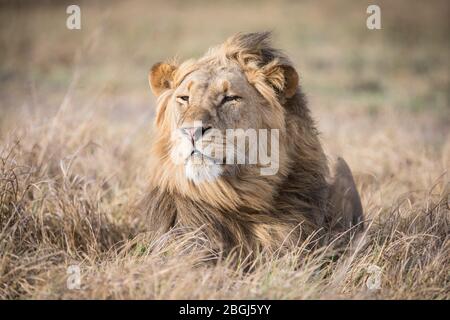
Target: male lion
242, 84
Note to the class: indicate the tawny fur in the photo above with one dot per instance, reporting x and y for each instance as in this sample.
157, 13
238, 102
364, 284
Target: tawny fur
247, 211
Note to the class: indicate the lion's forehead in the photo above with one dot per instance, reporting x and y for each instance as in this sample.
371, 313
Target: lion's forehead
213, 80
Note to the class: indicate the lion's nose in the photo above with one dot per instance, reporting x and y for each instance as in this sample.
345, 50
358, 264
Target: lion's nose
194, 133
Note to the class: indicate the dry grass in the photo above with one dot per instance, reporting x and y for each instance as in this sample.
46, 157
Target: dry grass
74, 135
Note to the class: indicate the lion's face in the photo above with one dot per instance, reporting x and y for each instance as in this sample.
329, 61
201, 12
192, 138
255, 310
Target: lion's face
215, 119
208, 104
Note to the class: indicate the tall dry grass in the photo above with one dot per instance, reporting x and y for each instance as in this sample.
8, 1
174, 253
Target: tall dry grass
75, 126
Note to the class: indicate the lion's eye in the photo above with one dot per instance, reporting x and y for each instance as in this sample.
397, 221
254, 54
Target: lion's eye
230, 98
183, 98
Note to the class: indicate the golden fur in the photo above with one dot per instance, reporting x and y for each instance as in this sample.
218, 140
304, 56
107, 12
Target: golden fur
242, 209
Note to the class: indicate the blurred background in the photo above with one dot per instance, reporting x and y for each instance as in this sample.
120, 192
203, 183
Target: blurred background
356, 79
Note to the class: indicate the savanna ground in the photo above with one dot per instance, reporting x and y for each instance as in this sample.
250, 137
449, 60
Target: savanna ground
75, 126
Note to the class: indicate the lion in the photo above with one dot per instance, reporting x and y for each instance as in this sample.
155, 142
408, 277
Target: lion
242, 84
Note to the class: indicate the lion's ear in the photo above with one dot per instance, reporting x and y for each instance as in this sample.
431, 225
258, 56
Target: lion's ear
160, 77
290, 81
283, 78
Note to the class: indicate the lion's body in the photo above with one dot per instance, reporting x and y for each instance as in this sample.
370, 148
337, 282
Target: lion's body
246, 210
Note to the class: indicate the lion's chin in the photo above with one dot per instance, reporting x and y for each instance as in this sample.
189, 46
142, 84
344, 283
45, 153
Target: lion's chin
206, 171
